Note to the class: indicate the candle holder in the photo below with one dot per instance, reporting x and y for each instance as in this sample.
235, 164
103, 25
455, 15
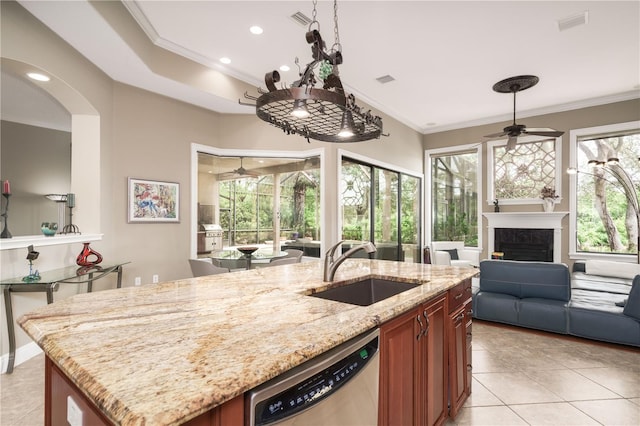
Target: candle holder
5, 230
71, 228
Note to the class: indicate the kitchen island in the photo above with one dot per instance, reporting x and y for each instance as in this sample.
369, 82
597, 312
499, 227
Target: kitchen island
166, 353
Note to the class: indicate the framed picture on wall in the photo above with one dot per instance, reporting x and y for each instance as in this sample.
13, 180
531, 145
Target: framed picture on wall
152, 201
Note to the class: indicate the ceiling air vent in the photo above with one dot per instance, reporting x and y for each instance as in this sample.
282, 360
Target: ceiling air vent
573, 21
301, 19
385, 79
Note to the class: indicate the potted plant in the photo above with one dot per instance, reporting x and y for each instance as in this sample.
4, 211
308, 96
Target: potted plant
549, 197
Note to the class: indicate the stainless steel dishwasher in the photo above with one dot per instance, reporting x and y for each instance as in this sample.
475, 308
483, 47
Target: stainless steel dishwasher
339, 387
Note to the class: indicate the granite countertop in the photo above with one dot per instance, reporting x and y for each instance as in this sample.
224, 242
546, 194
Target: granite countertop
165, 353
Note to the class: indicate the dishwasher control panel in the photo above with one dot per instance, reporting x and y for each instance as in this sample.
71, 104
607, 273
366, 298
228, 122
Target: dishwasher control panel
312, 389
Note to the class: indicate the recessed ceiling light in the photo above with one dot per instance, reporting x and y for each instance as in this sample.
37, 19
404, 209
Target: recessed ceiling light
37, 76
225, 60
284, 68
256, 30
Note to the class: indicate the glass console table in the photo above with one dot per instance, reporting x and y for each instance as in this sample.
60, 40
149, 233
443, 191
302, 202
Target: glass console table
48, 283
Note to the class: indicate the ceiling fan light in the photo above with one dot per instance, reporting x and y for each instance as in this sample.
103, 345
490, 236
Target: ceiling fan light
347, 126
300, 109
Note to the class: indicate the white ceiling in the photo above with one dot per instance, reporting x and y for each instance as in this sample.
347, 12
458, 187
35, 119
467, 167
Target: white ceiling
444, 55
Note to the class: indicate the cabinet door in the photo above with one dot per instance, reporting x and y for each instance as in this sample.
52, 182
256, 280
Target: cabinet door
468, 320
434, 356
457, 360
398, 363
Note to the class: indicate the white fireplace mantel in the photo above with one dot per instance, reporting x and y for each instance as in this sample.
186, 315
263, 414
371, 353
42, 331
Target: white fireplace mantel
527, 220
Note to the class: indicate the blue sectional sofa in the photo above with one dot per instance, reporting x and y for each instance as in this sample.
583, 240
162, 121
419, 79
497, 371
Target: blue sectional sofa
600, 300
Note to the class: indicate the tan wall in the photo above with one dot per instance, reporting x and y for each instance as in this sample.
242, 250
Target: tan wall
618, 112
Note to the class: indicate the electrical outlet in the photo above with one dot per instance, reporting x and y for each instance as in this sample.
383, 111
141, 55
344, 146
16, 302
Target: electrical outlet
137, 281
155, 278
74, 413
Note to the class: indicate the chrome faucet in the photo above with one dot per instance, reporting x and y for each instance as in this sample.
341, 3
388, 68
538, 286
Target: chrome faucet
330, 266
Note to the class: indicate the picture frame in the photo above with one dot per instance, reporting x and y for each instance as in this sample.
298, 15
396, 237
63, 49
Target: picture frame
153, 201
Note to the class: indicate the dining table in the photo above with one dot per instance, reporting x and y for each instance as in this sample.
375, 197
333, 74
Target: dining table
234, 256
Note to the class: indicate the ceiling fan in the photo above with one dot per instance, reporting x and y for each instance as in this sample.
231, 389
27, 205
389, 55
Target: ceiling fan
514, 85
241, 171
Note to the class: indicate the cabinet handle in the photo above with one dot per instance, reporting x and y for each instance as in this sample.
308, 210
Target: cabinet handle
426, 318
421, 327
470, 312
458, 296
459, 317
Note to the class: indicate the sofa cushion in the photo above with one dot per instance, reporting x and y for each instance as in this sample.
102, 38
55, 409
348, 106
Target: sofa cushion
543, 314
597, 300
582, 281
543, 280
610, 268
496, 307
605, 326
632, 306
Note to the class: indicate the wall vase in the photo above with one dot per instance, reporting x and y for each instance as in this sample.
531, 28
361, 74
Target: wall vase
88, 256
548, 204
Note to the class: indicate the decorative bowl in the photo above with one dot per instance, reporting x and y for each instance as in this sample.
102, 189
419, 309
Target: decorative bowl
49, 229
247, 250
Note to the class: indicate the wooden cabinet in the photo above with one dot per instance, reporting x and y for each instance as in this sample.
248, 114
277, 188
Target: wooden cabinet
413, 367
459, 330
58, 389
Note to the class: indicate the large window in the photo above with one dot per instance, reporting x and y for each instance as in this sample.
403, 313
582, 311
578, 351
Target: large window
604, 218
518, 176
454, 199
382, 206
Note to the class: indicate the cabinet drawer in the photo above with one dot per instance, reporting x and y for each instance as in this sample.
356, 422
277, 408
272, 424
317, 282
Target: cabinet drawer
459, 294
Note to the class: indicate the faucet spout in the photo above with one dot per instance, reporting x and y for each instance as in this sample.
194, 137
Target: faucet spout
330, 266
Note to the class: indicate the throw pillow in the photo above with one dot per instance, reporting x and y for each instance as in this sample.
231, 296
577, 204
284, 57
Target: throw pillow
453, 253
632, 307
609, 268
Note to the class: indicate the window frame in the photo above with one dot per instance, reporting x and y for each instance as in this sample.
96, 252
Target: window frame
574, 137
428, 184
522, 201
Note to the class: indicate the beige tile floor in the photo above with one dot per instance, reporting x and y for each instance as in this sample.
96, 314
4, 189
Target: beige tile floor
520, 377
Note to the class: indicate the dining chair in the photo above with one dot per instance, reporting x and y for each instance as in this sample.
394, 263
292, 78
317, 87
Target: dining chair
291, 253
202, 267
283, 261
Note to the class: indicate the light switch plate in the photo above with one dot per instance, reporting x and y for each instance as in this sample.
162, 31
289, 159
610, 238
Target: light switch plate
74, 413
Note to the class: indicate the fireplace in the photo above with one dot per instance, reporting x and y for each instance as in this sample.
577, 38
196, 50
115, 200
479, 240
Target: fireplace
523, 247
525, 244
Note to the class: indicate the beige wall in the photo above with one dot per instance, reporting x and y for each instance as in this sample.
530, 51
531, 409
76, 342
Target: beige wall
618, 112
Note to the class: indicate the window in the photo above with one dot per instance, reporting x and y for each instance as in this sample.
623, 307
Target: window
258, 200
518, 176
454, 195
382, 206
603, 218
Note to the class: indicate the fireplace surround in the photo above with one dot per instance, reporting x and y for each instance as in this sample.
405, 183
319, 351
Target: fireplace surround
551, 221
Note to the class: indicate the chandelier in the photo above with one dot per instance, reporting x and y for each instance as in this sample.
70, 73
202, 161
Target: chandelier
326, 114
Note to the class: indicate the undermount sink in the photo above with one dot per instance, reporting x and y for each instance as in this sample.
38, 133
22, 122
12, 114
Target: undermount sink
365, 292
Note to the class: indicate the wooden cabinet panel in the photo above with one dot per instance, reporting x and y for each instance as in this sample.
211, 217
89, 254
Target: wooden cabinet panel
398, 361
460, 377
413, 367
435, 346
